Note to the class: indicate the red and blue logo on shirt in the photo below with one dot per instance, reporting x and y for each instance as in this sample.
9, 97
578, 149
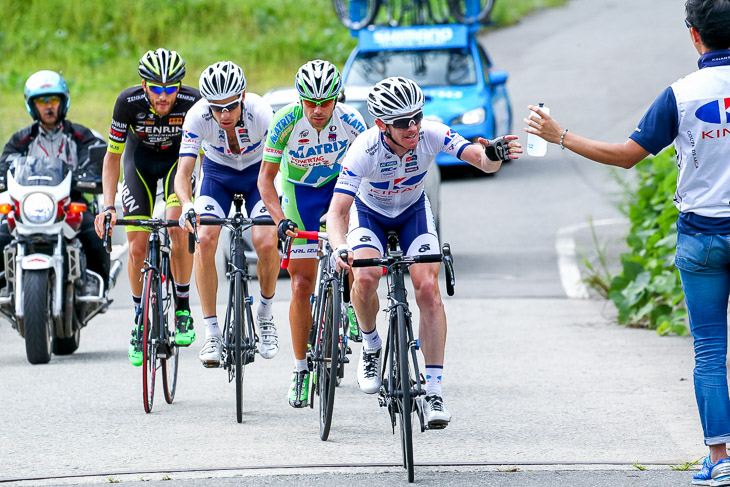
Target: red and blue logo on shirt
717, 111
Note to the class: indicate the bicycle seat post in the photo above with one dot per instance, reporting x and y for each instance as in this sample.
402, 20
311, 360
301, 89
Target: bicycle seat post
238, 202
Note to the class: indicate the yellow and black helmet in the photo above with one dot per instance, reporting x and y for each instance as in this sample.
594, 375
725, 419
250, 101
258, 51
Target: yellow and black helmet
162, 66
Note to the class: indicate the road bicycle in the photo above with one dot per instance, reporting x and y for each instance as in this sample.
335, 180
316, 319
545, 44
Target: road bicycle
358, 14
157, 333
402, 383
239, 331
327, 349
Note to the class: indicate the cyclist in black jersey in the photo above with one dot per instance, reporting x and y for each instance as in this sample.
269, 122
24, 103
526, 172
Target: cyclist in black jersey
145, 133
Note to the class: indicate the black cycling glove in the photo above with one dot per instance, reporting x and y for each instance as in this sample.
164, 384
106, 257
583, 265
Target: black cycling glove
285, 225
497, 150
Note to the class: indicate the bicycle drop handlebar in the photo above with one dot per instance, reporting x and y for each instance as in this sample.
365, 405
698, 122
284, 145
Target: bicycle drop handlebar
308, 234
149, 223
237, 220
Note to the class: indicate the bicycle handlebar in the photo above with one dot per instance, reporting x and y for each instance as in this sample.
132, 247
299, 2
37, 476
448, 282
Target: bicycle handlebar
390, 260
152, 223
308, 234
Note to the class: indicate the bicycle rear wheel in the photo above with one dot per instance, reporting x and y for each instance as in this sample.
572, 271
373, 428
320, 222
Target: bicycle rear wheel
169, 364
403, 379
150, 332
366, 13
328, 363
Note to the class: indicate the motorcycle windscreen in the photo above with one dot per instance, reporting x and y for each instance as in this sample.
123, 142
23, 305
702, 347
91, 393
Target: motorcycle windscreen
39, 171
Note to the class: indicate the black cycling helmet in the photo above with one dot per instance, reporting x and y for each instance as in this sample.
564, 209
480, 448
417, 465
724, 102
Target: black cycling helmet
162, 66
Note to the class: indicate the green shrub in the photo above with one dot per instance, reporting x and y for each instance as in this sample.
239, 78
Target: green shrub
648, 290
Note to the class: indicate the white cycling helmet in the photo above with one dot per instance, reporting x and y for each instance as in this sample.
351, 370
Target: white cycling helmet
318, 80
394, 98
222, 80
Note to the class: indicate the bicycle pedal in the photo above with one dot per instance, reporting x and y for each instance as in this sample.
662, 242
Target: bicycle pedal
211, 365
348, 350
436, 425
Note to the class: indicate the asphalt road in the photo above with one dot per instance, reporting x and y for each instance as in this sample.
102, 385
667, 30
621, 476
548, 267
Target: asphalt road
544, 390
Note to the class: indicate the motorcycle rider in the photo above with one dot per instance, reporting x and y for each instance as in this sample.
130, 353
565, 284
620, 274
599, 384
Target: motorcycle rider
47, 99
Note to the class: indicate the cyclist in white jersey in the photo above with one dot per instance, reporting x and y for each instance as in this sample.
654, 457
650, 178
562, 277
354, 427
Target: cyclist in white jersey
308, 141
384, 173
230, 125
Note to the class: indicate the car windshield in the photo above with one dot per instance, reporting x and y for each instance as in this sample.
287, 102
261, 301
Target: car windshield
429, 67
39, 171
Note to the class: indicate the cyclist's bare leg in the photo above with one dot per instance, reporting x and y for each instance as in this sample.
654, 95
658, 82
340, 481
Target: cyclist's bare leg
206, 276
181, 262
432, 325
303, 274
137, 248
267, 269
365, 290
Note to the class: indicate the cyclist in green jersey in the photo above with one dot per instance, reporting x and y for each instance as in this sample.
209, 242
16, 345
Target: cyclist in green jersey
307, 140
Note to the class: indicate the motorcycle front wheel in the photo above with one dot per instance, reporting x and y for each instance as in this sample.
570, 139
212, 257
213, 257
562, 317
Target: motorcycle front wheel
38, 322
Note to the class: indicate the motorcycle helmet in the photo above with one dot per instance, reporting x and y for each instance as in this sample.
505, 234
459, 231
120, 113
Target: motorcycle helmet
45, 83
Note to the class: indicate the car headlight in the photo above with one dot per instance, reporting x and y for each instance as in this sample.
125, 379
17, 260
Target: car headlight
472, 117
38, 208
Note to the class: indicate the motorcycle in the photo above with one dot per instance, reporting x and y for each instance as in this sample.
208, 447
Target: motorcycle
50, 295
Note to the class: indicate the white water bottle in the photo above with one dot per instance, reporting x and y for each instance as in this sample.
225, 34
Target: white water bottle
536, 145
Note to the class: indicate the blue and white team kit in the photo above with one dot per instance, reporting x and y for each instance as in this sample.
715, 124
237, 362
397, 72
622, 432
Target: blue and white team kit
699, 126
389, 191
223, 172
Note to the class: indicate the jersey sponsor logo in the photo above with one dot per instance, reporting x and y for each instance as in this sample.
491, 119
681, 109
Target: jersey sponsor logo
304, 133
333, 128
449, 137
176, 121
115, 133
717, 111
128, 199
281, 126
388, 164
411, 169
150, 130
273, 152
320, 149
332, 137
346, 172
186, 97
209, 207
371, 150
351, 120
135, 98
715, 133
398, 185
303, 141
141, 116
309, 161
119, 125
190, 135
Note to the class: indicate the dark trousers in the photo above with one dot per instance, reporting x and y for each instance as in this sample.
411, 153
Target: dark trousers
97, 259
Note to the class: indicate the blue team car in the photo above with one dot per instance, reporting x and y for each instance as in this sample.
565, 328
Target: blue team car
454, 71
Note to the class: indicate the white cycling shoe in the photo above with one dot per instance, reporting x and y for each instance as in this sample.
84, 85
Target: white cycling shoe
368, 370
210, 355
269, 345
436, 414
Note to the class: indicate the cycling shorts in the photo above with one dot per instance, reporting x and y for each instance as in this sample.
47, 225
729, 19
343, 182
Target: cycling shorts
143, 168
218, 184
415, 226
305, 206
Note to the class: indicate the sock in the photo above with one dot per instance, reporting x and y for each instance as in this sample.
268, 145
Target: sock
182, 291
137, 300
300, 365
211, 327
433, 379
264, 311
372, 339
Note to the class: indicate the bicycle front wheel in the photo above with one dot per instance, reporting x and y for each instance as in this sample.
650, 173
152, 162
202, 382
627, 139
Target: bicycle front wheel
238, 345
169, 364
150, 333
328, 364
460, 9
403, 379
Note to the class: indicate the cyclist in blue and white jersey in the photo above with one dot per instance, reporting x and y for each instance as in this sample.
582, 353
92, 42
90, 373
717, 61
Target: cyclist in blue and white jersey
308, 141
384, 173
230, 125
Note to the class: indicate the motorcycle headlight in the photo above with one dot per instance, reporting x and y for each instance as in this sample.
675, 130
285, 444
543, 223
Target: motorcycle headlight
38, 208
472, 117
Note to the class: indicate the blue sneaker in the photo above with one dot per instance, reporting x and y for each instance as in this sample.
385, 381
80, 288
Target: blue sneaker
717, 474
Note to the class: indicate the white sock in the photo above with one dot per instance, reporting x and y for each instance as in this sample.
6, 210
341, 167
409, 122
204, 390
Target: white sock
433, 379
372, 340
300, 365
211, 327
264, 311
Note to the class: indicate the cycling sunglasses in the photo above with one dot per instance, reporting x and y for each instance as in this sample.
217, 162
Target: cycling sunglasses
159, 89
326, 103
404, 123
229, 107
686, 22
47, 100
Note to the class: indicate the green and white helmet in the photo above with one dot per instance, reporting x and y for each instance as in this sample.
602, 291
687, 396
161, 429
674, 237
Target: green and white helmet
162, 66
318, 80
